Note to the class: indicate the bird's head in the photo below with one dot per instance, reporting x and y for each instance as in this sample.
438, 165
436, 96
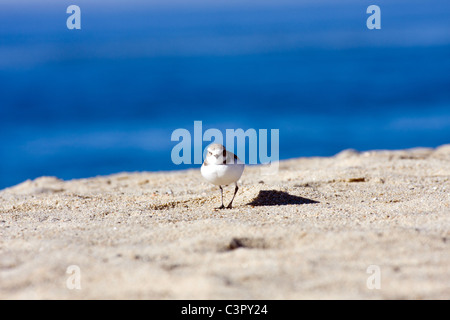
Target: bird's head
216, 154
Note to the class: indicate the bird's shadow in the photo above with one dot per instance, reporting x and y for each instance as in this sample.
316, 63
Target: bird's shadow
278, 198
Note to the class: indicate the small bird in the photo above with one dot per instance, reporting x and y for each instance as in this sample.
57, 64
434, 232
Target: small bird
222, 167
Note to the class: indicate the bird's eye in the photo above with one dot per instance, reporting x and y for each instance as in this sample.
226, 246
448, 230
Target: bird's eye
209, 153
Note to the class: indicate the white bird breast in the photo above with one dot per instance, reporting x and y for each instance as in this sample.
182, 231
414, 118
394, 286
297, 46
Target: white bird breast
222, 174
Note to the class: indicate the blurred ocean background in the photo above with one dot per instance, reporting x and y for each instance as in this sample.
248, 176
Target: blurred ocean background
106, 98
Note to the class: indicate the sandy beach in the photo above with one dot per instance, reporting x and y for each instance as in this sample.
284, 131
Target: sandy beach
316, 230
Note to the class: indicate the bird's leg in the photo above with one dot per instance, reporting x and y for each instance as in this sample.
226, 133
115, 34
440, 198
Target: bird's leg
221, 196
235, 191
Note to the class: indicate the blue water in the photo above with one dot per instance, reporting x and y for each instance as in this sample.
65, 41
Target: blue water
106, 98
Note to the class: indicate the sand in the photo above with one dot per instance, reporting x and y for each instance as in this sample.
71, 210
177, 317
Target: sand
371, 225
